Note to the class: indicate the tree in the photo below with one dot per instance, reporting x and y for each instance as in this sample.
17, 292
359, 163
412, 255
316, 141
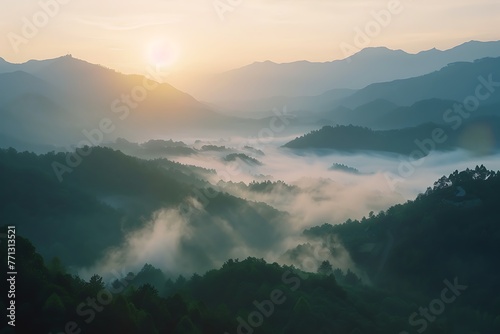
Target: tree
351, 278
325, 268
95, 284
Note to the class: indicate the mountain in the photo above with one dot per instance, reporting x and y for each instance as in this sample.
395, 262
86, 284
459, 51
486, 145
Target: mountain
62, 201
381, 114
302, 78
411, 102
355, 138
429, 265
405, 141
456, 82
34, 111
431, 110
444, 217
363, 115
65, 101
447, 237
18, 83
30, 66
298, 104
74, 96
238, 297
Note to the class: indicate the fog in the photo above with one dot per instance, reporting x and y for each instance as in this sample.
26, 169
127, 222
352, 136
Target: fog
311, 195
333, 196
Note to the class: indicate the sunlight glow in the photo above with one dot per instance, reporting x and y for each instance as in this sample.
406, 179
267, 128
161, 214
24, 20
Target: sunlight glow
162, 53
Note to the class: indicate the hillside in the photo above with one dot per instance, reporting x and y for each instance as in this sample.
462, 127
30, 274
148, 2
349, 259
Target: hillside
446, 238
72, 97
454, 82
110, 195
404, 141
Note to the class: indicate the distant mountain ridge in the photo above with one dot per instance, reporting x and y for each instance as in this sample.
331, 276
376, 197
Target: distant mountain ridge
456, 82
302, 78
51, 102
82, 94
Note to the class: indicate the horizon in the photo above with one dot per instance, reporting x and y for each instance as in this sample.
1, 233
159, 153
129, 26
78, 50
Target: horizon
200, 39
263, 61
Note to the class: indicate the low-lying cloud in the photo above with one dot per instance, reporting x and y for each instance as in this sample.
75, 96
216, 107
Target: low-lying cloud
313, 195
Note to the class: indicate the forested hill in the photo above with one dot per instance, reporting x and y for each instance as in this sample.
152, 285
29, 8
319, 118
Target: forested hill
447, 238
451, 231
108, 195
403, 141
248, 296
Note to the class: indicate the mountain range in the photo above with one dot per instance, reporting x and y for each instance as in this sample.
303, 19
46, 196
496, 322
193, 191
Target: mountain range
53, 103
63, 101
428, 98
267, 79
451, 230
341, 255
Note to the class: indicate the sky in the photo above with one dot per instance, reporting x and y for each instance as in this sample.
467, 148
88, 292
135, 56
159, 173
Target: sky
209, 36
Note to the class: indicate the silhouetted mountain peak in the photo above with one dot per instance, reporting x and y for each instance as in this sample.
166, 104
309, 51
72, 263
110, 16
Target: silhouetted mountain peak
428, 52
378, 51
68, 61
267, 79
264, 63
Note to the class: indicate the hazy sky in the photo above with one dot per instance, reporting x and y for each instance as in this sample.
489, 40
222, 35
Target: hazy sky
192, 35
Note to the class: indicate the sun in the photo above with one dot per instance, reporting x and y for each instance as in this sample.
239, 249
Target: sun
162, 53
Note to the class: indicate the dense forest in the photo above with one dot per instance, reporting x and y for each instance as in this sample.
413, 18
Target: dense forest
111, 194
447, 239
